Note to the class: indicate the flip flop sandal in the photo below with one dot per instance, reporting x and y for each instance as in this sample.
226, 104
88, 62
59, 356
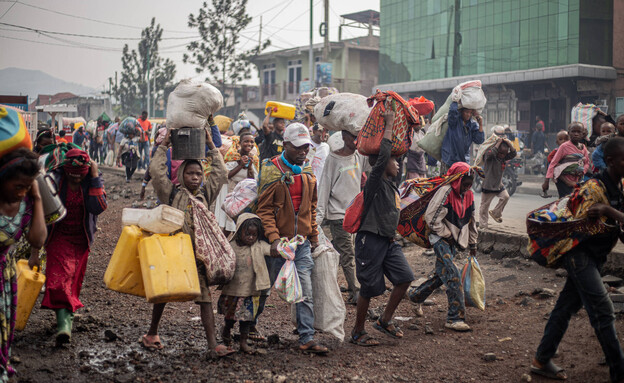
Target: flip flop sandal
223, 351
256, 337
313, 348
152, 346
363, 339
550, 370
389, 329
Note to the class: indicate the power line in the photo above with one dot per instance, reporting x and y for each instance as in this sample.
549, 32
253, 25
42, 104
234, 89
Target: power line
294, 19
91, 36
90, 19
49, 43
7, 11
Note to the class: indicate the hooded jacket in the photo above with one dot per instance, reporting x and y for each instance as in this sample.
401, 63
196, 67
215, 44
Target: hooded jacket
94, 201
169, 194
251, 275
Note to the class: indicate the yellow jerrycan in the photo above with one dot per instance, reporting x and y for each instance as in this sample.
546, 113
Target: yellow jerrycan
29, 284
280, 110
123, 273
168, 268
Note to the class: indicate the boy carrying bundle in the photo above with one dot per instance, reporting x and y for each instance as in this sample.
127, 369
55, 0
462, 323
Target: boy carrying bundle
602, 198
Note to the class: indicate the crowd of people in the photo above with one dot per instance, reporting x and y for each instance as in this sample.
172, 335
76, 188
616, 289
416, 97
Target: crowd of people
303, 187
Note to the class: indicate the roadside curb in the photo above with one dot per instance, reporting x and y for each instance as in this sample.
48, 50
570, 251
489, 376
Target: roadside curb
499, 244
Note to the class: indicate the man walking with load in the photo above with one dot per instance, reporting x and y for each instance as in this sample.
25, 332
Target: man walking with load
463, 130
287, 207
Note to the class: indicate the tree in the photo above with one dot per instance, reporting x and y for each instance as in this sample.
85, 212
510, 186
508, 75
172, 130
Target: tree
131, 91
220, 25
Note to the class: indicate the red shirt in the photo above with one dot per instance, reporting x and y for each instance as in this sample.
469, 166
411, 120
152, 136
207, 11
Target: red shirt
295, 189
146, 125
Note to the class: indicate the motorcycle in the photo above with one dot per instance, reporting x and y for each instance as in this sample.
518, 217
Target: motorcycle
510, 177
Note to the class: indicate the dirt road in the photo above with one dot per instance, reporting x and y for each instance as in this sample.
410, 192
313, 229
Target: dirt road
510, 327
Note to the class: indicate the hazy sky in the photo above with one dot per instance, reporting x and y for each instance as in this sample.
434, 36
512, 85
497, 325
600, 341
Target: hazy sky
91, 61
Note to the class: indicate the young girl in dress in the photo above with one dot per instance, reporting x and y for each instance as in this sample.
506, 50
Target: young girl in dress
241, 161
240, 298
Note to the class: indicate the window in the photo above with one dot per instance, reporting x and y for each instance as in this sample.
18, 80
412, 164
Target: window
294, 76
268, 81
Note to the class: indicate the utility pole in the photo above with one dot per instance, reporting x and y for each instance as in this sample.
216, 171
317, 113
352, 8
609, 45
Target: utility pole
326, 36
457, 39
311, 55
148, 81
260, 33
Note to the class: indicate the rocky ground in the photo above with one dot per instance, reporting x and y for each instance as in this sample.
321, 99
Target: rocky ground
104, 347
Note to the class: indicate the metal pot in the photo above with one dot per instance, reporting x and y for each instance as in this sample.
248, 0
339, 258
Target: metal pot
53, 209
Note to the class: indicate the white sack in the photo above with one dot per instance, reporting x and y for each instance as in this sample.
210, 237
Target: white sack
342, 111
191, 103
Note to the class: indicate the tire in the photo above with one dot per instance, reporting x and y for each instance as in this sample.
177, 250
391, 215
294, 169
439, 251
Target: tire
510, 181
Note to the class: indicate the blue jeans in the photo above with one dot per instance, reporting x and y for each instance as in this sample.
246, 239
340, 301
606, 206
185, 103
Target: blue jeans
584, 288
446, 273
305, 309
145, 155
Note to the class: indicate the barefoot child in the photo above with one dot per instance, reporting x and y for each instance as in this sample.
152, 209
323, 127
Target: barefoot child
376, 253
451, 217
240, 298
570, 162
193, 186
602, 196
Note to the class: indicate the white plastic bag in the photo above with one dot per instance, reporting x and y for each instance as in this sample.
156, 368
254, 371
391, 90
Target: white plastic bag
110, 158
342, 111
191, 103
287, 284
244, 194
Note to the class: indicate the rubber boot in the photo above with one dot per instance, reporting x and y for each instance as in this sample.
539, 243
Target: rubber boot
64, 320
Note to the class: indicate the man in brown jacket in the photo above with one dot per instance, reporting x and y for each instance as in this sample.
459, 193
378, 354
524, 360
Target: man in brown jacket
287, 207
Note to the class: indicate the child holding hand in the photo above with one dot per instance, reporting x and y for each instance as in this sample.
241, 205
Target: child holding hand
241, 297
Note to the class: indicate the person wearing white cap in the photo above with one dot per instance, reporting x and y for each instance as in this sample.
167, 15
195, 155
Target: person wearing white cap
287, 207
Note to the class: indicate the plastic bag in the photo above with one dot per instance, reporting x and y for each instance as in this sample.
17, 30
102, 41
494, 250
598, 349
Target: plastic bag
474, 284
191, 103
110, 158
584, 113
244, 194
329, 308
287, 284
342, 111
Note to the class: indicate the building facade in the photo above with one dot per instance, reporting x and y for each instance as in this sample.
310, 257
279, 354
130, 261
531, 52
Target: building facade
534, 57
351, 66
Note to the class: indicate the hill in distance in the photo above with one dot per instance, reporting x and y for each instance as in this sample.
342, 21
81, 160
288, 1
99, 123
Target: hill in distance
15, 81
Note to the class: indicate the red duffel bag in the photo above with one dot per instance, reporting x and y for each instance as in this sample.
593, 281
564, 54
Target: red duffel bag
369, 138
422, 105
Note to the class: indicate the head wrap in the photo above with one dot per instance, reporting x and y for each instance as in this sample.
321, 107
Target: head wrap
76, 162
460, 203
162, 133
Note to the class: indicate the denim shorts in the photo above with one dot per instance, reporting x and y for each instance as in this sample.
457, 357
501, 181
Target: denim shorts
376, 257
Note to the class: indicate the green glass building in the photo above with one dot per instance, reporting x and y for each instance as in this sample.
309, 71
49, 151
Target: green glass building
529, 52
